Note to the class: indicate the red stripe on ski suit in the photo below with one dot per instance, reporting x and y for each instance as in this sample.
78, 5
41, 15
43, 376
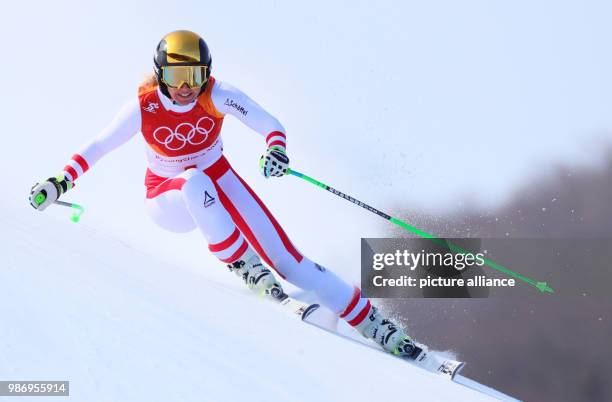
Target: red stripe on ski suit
284, 238
275, 134
234, 257
225, 243
81, 161
277, 142
361, 316
71, 171
352, 303
244, 227
170, 184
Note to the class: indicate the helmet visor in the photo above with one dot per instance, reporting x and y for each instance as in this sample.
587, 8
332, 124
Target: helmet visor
176, 76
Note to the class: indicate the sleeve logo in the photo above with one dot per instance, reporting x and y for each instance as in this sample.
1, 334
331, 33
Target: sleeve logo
229, 102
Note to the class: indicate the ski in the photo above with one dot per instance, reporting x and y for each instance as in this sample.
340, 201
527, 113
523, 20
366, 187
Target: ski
438, 364
428, 360
296, 307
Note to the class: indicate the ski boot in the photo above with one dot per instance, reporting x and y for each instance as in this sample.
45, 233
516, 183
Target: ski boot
257, 277
387, 334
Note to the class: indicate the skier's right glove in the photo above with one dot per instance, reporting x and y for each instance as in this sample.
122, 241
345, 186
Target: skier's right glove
44, 194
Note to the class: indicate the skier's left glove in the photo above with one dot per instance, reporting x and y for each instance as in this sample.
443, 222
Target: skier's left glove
274, 162
46, 193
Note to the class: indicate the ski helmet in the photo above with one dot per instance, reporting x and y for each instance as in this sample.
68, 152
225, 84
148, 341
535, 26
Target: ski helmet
181, 48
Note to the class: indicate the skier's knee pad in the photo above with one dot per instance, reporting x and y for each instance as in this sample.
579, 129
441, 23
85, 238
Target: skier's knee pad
198, 189
203, 203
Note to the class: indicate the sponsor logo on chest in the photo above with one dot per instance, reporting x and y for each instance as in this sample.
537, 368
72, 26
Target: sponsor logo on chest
151, 107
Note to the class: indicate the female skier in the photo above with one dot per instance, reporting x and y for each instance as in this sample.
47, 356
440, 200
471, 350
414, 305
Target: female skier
189, 182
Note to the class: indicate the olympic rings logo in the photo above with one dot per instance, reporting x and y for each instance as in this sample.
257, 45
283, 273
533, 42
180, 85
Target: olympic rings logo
184, 133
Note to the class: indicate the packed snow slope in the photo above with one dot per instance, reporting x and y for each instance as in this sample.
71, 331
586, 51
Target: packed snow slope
123, 325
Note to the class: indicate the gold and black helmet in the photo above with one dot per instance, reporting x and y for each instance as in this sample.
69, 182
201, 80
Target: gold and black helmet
181, 49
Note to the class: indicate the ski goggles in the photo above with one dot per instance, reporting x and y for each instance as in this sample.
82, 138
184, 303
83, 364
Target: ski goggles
176, 76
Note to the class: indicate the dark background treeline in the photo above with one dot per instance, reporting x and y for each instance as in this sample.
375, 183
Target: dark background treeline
541, 347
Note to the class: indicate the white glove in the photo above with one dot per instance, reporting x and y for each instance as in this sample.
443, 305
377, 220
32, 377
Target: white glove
274, 163
44, 194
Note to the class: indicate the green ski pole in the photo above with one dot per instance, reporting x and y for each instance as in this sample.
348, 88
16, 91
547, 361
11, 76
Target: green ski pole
541, 286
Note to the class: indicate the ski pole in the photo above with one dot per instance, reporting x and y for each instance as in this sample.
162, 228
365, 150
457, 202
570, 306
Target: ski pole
76, 215
541, 286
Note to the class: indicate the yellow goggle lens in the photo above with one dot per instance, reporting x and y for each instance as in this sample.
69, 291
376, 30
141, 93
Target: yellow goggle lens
176, 76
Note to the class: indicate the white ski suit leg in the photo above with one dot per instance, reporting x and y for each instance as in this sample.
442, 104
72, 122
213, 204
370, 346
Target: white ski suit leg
237, 211
191, 201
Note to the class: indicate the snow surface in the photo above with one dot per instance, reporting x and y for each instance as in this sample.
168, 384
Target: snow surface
123, 325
